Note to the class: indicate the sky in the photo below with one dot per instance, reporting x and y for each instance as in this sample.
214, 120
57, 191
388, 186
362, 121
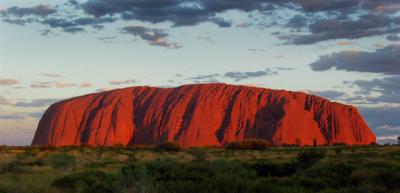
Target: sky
344, 50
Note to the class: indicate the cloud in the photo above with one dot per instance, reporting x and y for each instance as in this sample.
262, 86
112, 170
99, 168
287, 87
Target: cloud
37, 102
17, 21
21, 116
345, 43
46, 33
192, 12
86, 84
385, 60
35, 114
388, 89
103, 89
76, 25
391, 139
330, 29
156, 37
206, 38
209, 77
234, 75
12, 116
384, 120
64, 84
243, 25
237, 76
318, 5
39, 10
69, 24
8, 81
179, 13
256, 50
325, 20
382, 6
297, 21
52, 75
73, 29
393, 37
119, 82
108, 39
58, 84
4, 101
41, 85
330, 94
285, 68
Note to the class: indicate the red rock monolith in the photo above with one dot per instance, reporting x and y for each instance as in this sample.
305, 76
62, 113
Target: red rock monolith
200, 115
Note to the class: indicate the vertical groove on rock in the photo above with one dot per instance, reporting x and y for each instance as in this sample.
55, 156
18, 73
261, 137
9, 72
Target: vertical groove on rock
227, 117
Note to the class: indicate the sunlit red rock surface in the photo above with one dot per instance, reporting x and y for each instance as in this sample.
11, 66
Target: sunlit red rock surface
200, 115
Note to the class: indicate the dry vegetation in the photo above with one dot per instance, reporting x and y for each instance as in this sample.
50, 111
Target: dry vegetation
170, 169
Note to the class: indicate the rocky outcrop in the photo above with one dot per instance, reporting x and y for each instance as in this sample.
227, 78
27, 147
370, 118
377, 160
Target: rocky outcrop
200, 115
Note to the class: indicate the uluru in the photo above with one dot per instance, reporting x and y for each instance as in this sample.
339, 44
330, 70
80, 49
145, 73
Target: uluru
200, 115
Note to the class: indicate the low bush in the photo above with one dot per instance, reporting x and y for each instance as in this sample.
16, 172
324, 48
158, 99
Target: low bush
13, 167
265, 168
198, 154
308, 158
169, 146
253, 144
62, 162
137, 177
88, 182
326, 176
26, 155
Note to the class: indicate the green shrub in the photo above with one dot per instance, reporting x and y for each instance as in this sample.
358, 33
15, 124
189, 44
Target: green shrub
169, 146
253, 144
326, 176
88, 182
136, 177
26, 155
198, 154
308, 158
62, 162
13, 167
266, 168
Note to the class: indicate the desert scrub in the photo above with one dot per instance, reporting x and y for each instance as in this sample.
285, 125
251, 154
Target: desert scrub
308, 158
252, 144
62, 162
277, 170
89, 182
169, 146
199, 154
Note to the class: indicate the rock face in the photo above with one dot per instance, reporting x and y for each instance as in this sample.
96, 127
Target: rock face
200, 115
